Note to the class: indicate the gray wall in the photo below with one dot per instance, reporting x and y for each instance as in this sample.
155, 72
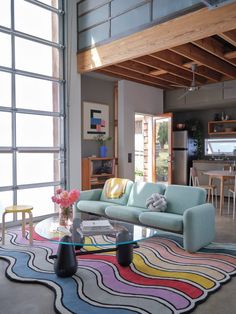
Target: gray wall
204, 116
133, 98
202, 104
211, 96
99, 91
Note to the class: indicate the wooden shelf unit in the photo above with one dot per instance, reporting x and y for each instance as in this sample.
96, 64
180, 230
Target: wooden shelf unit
91, 166
221, 126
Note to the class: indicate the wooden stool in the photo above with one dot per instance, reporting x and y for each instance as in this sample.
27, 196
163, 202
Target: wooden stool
19, 209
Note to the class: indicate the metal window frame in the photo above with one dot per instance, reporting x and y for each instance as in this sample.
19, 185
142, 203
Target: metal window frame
14, 110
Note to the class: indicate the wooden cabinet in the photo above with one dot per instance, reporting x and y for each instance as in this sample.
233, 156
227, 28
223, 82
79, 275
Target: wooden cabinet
225, 127
95, 171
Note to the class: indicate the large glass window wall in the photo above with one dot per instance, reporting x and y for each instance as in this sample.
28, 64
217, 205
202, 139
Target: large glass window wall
32, 85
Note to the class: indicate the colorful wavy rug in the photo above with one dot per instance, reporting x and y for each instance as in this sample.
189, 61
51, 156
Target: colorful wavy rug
163, 278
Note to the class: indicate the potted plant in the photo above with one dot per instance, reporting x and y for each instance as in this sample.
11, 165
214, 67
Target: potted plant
101, 139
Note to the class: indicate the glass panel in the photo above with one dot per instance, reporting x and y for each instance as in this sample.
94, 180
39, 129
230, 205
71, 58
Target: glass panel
37, 58
32, 93
5, 13
33, 130
89, 5
39, 198
5, 44
93, 35
220, 147
162, 148
5, 89
163, 8
6, 199
36, 21
5, 128
5, 169
130, 20
37, 167
94, 17
118, 7
52, 3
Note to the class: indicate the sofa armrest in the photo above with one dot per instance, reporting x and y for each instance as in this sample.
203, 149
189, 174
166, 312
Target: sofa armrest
199, 226
92, 195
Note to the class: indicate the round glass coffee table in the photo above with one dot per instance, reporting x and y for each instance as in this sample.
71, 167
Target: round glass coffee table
98, 233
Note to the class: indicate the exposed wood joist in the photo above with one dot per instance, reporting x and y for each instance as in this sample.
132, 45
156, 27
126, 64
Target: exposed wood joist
132, 74
230, 55
159, 64
209, 60
180, 61
144, 69
200, 24
108, 73
112, 74
213, 46
157, 72
229, 36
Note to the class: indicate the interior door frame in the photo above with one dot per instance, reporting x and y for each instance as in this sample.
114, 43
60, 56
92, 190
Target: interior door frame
168, 115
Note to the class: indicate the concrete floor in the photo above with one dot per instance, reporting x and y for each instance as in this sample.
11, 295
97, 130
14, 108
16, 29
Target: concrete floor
16, 298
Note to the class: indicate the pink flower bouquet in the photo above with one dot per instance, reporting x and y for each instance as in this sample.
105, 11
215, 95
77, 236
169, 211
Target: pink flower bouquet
66, 199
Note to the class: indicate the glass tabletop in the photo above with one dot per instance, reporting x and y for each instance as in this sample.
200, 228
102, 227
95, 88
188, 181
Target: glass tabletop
92, 232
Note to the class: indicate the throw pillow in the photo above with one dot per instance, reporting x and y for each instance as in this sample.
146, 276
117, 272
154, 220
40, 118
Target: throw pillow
156, 202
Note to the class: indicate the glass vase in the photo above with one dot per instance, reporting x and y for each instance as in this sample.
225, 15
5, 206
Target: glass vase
66, 216
103, 151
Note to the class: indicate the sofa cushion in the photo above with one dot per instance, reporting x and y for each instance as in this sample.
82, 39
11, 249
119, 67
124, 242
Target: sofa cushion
121, 200
94, 207
126, 213
166, 221
141, 191
180, 197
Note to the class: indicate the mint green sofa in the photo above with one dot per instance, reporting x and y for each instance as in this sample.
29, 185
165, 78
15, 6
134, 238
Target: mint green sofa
187, 212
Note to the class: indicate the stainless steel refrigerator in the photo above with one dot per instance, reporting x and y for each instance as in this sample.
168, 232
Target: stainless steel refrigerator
183, 155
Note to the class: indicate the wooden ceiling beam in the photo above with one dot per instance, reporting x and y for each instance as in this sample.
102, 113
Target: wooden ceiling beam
159, 64
157, 72
229, 37
180, 61
214, 47
207, 59
186, 28
132, 74
144, 69
105, 72
230, 55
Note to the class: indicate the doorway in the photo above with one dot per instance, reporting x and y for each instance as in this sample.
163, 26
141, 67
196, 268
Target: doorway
153, 148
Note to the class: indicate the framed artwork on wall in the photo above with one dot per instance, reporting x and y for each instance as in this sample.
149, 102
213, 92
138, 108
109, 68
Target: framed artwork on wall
95, 120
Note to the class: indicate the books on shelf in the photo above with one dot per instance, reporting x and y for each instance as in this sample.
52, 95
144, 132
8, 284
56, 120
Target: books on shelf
88, 226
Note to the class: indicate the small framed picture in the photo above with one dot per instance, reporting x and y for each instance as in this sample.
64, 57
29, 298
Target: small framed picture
95, 120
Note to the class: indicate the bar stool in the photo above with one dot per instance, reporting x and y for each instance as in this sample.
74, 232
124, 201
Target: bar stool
19, 209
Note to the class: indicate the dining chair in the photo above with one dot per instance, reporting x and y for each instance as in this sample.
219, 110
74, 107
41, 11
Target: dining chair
211, 189
229, 181
232, 190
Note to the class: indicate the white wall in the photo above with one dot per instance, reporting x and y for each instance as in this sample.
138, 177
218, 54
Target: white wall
73, 102
133, 98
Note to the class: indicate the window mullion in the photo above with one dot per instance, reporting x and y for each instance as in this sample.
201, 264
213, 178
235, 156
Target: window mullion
21, 96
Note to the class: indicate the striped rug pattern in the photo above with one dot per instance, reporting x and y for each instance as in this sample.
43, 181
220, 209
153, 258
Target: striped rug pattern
163, 278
